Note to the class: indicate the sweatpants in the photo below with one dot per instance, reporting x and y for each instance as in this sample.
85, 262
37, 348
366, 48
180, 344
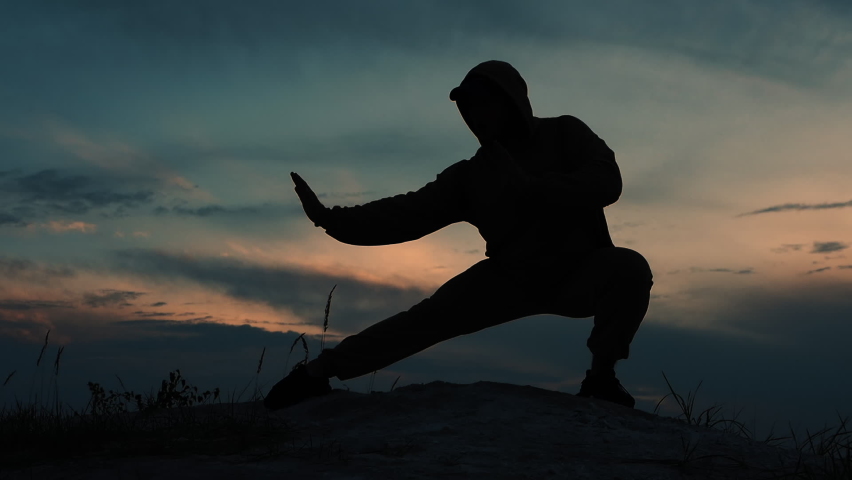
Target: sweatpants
612, 284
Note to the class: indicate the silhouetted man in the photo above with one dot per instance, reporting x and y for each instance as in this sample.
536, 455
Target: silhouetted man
536, 189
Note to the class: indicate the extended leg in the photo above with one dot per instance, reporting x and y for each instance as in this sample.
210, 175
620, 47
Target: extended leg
480, 297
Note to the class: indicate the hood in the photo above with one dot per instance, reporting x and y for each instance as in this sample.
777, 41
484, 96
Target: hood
510, 81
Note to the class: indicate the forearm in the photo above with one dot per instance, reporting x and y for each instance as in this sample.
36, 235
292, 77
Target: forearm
381, 222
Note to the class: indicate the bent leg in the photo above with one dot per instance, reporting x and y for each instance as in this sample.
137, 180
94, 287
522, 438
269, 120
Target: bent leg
614, 285
482, 296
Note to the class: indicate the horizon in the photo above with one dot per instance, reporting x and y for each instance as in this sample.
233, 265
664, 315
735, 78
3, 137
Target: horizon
148, 219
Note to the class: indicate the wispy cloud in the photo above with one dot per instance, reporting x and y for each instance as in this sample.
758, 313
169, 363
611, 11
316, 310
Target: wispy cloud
263, 211
744, 271
117, 155
33, 304
818, 270
62, 226
826, 247
13, 220
109, 297
25, 270
208, 210
788, 247
799, 207
294, 288
153, 314
51, 191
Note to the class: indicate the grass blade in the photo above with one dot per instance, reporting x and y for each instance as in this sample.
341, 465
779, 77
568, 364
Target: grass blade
325, 322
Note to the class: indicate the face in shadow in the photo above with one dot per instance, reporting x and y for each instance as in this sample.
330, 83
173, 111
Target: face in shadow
488, 114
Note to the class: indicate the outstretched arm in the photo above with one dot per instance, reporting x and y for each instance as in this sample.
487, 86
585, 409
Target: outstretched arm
396, 219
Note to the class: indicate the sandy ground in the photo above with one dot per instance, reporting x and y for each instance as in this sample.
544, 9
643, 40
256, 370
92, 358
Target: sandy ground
443, 430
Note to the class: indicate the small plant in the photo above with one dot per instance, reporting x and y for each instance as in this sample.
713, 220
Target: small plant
169, 396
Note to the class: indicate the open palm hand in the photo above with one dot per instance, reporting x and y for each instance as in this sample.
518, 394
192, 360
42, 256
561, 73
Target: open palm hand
314, 209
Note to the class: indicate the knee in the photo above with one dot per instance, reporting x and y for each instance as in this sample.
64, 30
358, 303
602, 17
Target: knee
634, 266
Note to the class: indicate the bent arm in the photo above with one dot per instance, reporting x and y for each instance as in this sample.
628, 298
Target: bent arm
595, 182
404, 217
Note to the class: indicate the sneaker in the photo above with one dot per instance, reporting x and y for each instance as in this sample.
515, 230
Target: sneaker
294, 388
605, 387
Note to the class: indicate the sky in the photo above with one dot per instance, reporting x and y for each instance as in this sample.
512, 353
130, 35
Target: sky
148, 220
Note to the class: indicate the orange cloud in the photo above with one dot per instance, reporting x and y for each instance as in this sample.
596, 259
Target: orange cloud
62, 226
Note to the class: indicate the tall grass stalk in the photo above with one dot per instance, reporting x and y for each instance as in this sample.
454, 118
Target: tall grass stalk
257, 374
38, 363
325, 321
295, 342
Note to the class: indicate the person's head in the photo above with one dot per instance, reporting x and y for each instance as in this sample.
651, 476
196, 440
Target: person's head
486, 109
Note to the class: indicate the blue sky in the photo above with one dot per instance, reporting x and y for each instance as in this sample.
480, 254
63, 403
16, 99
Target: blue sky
148, 219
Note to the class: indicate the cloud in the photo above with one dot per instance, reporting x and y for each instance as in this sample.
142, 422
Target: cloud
843, 267
812, 315
722, 270
826, 247
53, 192
15, 221
153, 314
818, 270
208, 210
109, 297
799, 207
33, 304
271, 26
117, 156
62, 226
358, 303
263, 211
158, 304
787, 247
24, 270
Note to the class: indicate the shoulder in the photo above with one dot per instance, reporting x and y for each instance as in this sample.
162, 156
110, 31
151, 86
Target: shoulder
573, 123
563, 125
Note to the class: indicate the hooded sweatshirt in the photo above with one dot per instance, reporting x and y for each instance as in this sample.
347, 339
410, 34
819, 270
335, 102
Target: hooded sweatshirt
554, 217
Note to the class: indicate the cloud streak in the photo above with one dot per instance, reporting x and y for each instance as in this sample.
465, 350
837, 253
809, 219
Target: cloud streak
62, 226
826, 247
799, 207
818, 270
13, 220
109, 297
25, 270
52, 192
303, 291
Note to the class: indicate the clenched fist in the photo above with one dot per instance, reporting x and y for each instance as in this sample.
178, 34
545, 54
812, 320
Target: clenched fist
314, 209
